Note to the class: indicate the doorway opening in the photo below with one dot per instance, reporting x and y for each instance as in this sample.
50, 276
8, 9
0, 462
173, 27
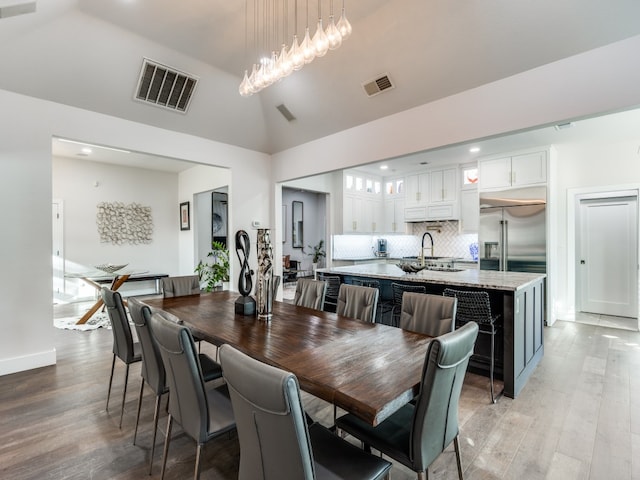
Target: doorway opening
211, 220
305, 216
607, 258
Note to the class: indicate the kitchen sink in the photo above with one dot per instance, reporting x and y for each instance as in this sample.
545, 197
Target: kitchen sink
444, 269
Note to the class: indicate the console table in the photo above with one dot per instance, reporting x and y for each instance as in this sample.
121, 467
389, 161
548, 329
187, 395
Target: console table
97, 279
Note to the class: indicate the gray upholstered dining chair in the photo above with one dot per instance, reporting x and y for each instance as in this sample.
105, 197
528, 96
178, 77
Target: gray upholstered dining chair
429, 314
203, 411
310, 293
276, 441
474, 306
416, 435
397, 290
123, 345
180, 286
153, 372
357, 302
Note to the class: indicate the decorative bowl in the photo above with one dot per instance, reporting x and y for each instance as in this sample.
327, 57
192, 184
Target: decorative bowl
410, 267
110, 267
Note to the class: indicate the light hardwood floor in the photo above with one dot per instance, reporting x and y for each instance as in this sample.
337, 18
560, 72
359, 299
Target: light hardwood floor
577, 418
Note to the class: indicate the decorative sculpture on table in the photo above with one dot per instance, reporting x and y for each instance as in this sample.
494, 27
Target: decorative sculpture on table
264, 290
245, 304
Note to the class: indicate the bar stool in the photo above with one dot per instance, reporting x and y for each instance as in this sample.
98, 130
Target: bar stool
475, 307
331, 295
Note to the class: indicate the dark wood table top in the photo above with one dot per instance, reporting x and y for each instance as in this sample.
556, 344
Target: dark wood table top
367, 369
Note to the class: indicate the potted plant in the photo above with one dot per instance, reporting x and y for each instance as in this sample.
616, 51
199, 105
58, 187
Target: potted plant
317, 254
213, 274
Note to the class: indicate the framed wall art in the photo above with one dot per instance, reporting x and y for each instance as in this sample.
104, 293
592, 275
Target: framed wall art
184, 216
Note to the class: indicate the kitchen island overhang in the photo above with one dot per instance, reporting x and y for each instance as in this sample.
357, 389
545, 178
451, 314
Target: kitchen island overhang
518, 296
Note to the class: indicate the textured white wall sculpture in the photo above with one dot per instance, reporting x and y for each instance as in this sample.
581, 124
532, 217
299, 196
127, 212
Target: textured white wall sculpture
119, 223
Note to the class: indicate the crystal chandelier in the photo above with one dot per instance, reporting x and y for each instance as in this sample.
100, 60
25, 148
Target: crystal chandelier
276, 59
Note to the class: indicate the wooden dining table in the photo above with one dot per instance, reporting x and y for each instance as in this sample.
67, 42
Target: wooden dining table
367, 369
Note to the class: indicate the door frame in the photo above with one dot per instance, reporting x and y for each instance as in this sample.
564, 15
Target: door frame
574, 197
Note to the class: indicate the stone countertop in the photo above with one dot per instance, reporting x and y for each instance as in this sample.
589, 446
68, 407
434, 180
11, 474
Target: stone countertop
487, 279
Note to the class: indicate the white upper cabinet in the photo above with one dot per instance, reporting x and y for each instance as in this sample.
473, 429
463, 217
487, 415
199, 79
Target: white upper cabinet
393, 206
432, 195
529, 169
514, 171
416, 189
362, 210
443, 185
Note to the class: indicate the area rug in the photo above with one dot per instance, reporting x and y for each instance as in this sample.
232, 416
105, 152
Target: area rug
98, 320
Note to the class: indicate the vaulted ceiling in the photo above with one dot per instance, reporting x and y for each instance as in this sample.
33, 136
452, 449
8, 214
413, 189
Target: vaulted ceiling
88, 54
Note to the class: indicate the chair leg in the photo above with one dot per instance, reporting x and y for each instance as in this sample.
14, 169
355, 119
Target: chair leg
196, 474
135, 432
456, 445
167, 440
124, 393
156, 414
113, 364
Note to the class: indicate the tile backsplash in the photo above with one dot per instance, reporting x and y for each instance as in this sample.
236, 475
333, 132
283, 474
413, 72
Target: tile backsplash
447, 243
446, 239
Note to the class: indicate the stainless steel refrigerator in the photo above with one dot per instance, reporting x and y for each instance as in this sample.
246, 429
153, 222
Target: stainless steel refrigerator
512, 233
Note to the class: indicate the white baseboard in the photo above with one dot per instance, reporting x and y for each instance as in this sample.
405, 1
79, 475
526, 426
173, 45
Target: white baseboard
27, 362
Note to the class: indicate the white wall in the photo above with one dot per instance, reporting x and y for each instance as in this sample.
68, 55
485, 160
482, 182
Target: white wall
26, 128
593, 166
74, 183
598, 81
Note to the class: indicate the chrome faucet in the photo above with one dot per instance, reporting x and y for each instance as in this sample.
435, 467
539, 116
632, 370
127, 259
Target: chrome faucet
422, 262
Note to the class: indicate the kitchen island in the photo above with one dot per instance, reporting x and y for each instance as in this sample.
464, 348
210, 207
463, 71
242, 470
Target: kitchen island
519, 297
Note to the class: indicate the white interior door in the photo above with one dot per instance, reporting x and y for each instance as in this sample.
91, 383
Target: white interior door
608, 256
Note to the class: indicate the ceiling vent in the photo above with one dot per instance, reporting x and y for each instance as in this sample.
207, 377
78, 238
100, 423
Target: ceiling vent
16, 8
285, 112
378, 85
165, 86
562, 126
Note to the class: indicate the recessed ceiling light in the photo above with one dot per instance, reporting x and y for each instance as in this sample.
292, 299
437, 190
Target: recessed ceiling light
474, 149
383, 167
87, 150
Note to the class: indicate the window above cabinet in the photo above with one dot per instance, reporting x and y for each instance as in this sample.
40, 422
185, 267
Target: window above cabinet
394, 187
361, 183
469, 174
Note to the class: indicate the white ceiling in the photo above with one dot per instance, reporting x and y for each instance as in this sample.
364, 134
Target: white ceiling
87, 53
